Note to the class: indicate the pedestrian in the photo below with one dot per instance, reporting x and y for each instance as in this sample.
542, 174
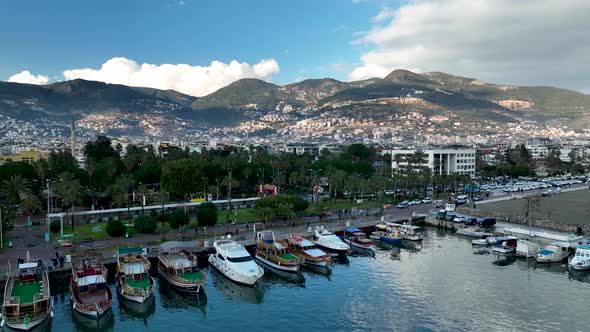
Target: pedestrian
237, 231
61, 261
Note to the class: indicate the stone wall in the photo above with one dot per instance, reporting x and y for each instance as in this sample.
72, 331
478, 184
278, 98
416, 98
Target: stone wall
545, 223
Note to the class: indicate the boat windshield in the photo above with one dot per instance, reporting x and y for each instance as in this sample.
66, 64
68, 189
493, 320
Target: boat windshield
239, 259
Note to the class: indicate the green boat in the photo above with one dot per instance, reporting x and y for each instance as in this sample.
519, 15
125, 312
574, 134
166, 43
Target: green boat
27, 299
133, 280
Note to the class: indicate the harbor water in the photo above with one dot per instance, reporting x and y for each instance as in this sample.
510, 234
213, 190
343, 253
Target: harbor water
442, 284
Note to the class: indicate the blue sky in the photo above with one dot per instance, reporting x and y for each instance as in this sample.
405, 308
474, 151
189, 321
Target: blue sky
513, 42
306, 38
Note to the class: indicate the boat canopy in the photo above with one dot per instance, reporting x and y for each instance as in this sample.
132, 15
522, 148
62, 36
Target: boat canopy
132, 250
546, 252
585, 246
89, 280
352, 230
28, 265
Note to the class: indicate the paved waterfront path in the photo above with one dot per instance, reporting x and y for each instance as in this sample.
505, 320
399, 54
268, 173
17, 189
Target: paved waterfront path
32, 239
508, 196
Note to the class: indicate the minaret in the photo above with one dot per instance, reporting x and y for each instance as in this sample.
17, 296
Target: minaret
73, 139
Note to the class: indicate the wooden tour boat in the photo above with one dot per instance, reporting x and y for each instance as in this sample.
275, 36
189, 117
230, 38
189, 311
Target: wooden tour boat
275, 254
91, 296
133, 280
27, 300
307, 252
179, 268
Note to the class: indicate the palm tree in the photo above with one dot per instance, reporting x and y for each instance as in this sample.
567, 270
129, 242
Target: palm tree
264, 213
419, 158
41, 166
285, 211
70, 191
17, 191
398, 158
119, 192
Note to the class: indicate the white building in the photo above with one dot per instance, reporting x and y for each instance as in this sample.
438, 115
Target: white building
302, 148
440, 161
538, 151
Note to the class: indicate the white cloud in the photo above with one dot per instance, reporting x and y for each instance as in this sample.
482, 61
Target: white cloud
191, 80
26, 77
512, 41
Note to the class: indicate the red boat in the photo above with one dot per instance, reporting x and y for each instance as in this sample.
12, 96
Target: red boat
358, 240
91, 295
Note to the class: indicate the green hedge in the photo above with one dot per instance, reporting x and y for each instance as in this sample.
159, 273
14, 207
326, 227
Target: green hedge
299, 204
145, 225
116, 228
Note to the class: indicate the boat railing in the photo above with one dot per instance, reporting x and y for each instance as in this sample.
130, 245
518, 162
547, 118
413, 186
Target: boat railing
138, 291
98, 307
14, 300
24, 317
185, 281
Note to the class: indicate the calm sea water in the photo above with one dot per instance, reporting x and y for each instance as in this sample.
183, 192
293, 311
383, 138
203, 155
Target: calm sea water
441, 285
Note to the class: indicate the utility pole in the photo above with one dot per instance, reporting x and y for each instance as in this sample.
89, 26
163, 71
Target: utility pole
1, 231
48, 208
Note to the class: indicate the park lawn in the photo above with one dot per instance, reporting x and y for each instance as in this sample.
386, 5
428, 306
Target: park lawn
246, 215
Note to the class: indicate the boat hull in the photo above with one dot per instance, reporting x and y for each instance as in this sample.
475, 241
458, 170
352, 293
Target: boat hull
30, 325
332, 251
390, 240
546, 259
185, 288
136, 298
504, 250
286, 268
580, 267
232, 275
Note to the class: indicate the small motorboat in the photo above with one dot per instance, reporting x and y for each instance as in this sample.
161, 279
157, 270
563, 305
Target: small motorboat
329, 242
233, 261
479, 242
358, 240
275, 254
554, 253
526, 248
507, 246
581, 259
307, 252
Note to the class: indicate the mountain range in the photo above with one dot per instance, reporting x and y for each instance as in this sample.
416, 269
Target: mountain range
432, 93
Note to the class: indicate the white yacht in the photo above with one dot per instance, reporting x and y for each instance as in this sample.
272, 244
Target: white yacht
581, 260
234, 262
553, 253
526, 249
410, 232
507, 246
329, 242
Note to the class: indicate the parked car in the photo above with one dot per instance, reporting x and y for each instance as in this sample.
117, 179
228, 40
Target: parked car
458, 219
415, 202
450, 217
402, 205
486, 221
441, 215
477, 198
426, 200
469, 220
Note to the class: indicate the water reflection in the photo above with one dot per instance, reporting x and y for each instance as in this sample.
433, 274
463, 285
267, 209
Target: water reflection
234, 291
504, 260
84, 323
324, 271
137, 310
583, 276
170, 298
273, 275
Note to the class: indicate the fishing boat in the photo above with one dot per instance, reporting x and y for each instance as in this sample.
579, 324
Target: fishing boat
411, 233
329, 242
526, 248
581, 259
553, 253
179, 268
358, 240
235, 263
133, 280
307, 252
388, 233
507, 246
91, 296
275, 254
27, 299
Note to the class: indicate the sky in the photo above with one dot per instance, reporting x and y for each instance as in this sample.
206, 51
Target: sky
199, 46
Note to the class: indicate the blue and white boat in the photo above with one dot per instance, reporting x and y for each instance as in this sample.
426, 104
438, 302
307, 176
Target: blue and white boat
388, 233
581, 259
553, 253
